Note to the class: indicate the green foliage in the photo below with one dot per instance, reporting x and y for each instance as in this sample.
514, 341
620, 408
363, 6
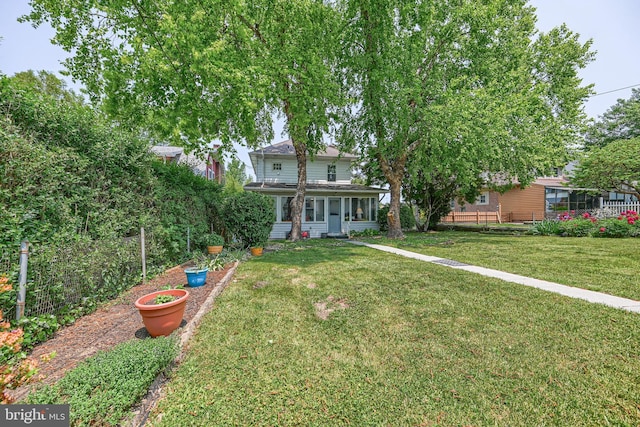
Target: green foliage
213, 239
620, 121
103, 389
626, 224
184, 201
68, 169
497, 100
162, 299
368, 232
407, 219
546, 228
614, 167
249, 216
576, 227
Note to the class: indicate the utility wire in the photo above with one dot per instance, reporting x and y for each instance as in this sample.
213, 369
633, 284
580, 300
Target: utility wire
614, 90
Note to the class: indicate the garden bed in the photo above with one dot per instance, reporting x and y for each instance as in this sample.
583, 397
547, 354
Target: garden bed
112, 324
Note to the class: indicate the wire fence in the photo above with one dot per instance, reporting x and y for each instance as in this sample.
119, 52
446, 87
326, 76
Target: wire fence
79, 272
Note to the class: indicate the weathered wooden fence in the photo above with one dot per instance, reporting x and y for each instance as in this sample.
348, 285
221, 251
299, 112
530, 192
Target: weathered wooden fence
472, 217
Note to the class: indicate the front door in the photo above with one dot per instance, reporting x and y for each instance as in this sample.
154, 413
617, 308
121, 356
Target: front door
334, 215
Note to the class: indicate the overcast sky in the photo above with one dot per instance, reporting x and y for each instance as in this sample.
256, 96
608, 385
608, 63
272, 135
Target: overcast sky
614, 26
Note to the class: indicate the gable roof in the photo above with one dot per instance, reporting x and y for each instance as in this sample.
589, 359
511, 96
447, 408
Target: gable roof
285, 148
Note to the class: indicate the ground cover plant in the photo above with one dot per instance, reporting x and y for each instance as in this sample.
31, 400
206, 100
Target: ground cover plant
102, 389
328, 333
603, 265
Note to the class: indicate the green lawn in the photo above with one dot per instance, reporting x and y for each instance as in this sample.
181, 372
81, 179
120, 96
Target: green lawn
408, 343
604, 265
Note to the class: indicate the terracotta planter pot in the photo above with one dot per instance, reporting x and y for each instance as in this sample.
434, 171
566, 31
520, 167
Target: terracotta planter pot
214, 250
256, 251
162, 319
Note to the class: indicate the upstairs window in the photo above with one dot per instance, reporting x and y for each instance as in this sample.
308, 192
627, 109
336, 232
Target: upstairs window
483, 199
277, 166
331, 173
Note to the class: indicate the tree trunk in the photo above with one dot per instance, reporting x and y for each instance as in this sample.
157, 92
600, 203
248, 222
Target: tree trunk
297, 205
393, 217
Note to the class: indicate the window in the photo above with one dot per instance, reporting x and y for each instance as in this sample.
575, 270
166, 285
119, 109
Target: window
314, 209
331, 173
286, 208
361, 209
483, 199
277, 166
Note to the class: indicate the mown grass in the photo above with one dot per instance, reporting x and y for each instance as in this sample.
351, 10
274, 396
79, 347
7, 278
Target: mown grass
602, 265
409, 343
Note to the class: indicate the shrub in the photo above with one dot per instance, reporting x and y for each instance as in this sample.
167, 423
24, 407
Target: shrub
369, 232
545, 228
249, 217
627, 224
407, 220
576, 227
102, 389
213, 239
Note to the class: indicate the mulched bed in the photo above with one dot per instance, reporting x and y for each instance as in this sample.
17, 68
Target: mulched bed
112, 324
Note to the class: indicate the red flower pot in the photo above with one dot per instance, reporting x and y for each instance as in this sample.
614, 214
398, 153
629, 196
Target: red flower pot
162, 319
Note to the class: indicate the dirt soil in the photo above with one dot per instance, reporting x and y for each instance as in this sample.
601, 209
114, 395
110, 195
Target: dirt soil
114, 323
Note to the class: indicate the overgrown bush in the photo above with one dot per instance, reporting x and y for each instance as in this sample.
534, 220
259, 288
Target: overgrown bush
407, 220
249, 216
184, 201
103, 389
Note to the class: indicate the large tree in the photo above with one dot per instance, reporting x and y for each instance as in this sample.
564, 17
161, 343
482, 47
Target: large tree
468, 83
208, 69
620, 121
616, 166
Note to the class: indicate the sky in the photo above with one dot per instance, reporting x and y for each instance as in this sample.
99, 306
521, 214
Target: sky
611, 24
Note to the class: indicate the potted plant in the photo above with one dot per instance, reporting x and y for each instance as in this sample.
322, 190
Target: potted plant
214, 242
162, 311
197, 275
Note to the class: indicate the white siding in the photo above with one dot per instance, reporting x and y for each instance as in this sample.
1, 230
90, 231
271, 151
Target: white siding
317, 228
317, 171
288, 173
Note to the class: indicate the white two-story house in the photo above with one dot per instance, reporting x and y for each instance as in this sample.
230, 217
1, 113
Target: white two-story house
333, 205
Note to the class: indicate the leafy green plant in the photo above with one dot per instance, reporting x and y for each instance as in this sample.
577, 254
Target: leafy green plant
407, 220
163, 299
249, 216
102, 389
369, 232
213, 239
545, 228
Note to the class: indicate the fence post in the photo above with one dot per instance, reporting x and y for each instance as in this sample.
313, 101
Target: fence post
22, 279
144, 255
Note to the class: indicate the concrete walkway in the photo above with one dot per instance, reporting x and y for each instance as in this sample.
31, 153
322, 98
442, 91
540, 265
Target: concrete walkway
591, 296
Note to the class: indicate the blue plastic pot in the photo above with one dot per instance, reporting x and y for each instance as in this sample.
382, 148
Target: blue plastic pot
196, 277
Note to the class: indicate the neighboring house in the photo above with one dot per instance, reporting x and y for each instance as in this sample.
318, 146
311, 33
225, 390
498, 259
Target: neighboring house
333, 206
211, 168
546, 197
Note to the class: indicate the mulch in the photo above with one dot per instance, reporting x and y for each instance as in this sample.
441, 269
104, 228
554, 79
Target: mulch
112, 324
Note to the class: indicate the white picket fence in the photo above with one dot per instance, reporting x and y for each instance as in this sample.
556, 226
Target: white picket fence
619, 207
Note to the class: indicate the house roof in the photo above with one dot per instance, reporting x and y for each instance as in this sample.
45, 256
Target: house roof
320, 188
285, 148
195, 162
